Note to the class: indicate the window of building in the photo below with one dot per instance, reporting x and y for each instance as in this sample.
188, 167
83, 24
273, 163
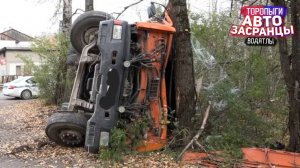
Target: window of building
18, 70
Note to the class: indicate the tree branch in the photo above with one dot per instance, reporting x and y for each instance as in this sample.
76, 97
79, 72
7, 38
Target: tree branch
126, 7
196, 137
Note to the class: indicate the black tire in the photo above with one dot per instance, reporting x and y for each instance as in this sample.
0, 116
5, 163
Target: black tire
87, 23
73, 59
60, 124
72, 50
26, 94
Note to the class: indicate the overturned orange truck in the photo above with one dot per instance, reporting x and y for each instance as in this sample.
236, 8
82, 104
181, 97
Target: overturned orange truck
121, 76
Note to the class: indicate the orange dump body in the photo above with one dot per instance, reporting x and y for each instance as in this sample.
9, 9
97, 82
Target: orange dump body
253, 158
153, 35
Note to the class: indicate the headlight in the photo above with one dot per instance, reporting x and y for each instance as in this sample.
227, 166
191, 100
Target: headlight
117, 32
104, 138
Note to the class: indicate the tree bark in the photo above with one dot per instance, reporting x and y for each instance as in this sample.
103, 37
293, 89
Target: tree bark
89, 5
290, 67
61, 77
294, 115
67, 17
183, 64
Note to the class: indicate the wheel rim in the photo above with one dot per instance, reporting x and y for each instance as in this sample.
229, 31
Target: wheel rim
26, 95
71, 137
86, 36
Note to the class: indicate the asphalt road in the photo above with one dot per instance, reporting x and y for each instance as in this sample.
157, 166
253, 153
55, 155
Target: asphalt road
5, 100
6, 161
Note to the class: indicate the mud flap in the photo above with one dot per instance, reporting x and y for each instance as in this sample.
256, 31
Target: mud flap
114, 45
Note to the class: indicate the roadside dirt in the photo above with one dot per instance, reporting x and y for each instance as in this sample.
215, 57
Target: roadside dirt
23, 143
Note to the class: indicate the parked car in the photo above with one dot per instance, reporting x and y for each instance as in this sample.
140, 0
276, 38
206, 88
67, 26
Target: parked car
24, 87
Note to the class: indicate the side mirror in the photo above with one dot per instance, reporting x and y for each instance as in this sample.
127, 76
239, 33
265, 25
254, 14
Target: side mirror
151, 10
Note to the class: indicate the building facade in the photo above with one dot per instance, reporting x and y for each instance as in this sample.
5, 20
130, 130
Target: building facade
15, 45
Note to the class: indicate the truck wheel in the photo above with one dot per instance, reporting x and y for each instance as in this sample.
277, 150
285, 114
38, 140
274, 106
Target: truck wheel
73, 59
84, 26
67, 129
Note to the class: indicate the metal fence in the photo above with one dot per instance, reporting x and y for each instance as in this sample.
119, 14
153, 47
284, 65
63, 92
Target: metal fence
8, 78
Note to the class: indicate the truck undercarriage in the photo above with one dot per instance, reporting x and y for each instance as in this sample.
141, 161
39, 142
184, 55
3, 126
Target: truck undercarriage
121, 78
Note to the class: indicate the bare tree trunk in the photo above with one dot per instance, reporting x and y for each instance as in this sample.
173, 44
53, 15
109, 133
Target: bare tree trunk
89, 5
290, 66
183, 64
61, 77
294, 115
67, 17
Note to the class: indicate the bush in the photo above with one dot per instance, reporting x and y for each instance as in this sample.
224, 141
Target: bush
52, 75
117, 146
244, 83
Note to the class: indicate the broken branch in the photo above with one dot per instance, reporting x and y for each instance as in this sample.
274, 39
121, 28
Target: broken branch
195, 138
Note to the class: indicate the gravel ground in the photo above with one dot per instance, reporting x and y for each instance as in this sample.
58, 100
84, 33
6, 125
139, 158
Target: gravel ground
5, 100
23, 143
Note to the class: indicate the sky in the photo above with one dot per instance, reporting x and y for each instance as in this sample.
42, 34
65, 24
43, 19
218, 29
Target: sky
35, 17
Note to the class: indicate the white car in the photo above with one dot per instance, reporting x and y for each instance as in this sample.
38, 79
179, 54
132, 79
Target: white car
24, 87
